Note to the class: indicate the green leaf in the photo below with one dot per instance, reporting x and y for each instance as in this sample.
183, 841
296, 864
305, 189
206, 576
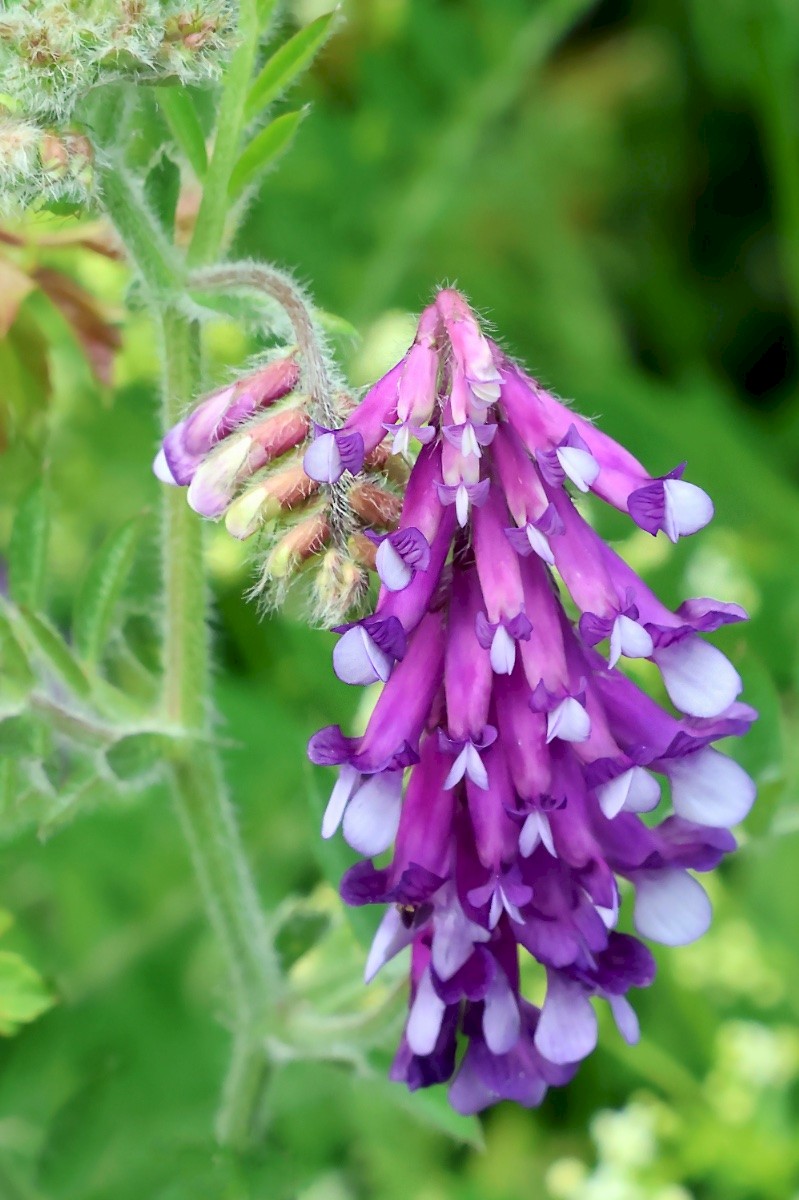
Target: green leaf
264, 150
27, 552
23, 994
20, 736
136, 755
102, 588
335, 325
161, 189
42, 637
15, 669
184, 125
288, 62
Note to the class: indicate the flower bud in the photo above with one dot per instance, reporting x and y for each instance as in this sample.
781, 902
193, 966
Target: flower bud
375, 506
267, 499
339, 585
297, 546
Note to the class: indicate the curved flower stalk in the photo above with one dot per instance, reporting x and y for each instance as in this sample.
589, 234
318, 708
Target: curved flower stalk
509, 760
266, 454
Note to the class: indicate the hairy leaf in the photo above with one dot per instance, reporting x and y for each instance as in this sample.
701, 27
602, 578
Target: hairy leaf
49, 644
102, 588
288, 62
27, 553
264, 150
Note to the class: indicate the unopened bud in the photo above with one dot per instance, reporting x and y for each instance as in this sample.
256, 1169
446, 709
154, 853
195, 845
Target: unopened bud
339, 586
375, 506
297, 546
363, 550
267, 499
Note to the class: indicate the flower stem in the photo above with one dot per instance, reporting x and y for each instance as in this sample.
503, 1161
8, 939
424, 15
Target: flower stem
205, 812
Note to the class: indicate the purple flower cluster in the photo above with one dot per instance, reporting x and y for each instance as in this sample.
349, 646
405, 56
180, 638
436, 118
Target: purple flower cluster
508, 760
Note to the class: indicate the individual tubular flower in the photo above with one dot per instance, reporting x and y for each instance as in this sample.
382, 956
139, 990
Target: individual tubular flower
508, 759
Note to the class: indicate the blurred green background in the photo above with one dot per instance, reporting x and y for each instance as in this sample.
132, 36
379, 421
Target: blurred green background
622, 202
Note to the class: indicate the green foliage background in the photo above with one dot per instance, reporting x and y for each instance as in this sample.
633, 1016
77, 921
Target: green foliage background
625, 209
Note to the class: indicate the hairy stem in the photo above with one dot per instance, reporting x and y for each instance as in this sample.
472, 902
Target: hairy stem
209, 230
203, 806
141, 234
281, 287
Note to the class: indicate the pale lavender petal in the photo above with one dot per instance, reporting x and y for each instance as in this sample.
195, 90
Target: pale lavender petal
709, 788
371, 818
502, 1023
322, 460
161, 469
569, 721
670, 907
425, 1017
626, 1019
391, 937
579, 465
634, 790
345, 785
394, 572
357, 659
630, 639
686, 508
503, 652
699, 679
567, 1027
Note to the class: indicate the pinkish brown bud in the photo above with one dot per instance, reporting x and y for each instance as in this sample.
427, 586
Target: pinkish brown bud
297, 546
375, 506
267, 499
363, 551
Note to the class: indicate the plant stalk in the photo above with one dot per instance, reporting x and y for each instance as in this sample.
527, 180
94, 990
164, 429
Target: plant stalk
204, 809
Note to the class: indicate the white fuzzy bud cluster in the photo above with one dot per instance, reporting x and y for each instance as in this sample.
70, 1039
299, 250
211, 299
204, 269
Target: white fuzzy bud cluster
37, 166
53, 52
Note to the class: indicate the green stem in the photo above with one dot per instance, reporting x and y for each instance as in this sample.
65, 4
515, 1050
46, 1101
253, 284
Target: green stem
143, 237
209, 230
203, 806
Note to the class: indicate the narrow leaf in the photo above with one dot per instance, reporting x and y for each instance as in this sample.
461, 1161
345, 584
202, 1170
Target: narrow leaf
184, 125
102, 587
27, 553
14, 664
264, 150
42, 637
287, 63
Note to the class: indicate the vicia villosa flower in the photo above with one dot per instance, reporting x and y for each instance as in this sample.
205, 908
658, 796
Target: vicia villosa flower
509, 758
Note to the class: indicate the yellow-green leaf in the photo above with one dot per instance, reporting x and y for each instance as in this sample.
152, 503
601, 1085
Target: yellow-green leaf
23, 993
264, 150
27, 551
288, 62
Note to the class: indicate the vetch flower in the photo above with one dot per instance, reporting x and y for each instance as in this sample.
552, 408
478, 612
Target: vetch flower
507, 760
